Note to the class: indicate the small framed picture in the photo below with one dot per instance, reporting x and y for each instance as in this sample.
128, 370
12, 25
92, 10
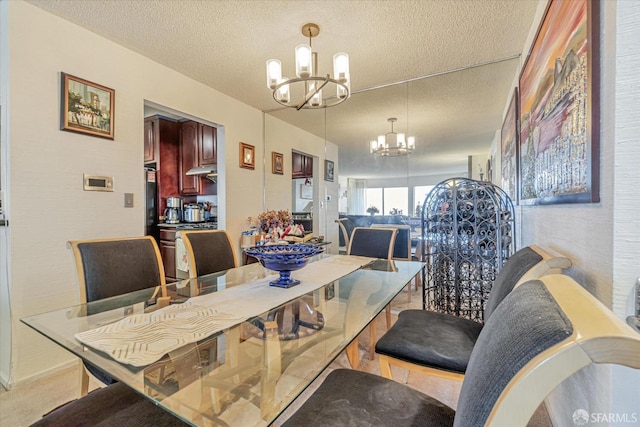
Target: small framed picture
277, 162
329, 291
306, 192
328, 170
87, 107
247, 156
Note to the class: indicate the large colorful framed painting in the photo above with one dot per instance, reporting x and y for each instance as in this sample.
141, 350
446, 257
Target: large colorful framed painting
509, 149
559, 113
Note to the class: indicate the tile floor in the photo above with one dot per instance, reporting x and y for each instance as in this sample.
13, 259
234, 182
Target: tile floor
27, 402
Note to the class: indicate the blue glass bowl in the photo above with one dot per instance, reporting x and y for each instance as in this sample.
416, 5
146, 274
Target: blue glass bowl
284, 259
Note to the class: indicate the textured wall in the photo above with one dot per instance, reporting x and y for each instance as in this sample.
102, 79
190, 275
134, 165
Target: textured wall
625, 395
48, 204
602, 238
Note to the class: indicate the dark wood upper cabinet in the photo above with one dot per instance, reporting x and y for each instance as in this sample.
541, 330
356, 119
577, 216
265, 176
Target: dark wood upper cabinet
198, 147
161, 149
189, 185
301, 166
149, 140
208, 145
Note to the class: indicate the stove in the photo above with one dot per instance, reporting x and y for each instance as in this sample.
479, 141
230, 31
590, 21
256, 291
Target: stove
210, 225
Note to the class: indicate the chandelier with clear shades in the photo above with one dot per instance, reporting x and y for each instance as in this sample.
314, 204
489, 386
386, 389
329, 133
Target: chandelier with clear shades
392, 144
307, 87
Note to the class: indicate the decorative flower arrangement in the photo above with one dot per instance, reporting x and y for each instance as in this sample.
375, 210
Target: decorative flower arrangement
372, 210
271, 220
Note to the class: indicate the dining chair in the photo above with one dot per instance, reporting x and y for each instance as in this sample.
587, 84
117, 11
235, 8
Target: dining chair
208, 251
542, 333
114, 405
374, 243
402, 244
440, 344
110, 267
346, 226
401, 247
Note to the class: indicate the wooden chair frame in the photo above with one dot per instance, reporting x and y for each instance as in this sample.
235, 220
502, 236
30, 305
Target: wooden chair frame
549, 263
191, 259
598, 337
352, 349
343, 230
162, 301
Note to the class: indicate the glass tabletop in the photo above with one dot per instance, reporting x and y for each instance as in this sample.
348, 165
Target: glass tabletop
246, 374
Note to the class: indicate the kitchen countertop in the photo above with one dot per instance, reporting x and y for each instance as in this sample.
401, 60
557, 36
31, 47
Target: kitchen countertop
190, 225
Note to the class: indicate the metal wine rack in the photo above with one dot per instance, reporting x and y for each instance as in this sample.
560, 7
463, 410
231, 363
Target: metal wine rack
468, 233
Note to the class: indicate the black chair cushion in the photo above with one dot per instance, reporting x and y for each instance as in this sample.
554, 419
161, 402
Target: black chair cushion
371, 242
401, 246
427, 338
527, 322
118, 267
512, 271
212, 252
354, 398
115, 405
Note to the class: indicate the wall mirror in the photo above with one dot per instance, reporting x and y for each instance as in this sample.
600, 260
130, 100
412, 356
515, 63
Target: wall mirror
451, 116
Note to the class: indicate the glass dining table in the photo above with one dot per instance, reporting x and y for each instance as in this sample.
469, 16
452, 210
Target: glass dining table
247, 369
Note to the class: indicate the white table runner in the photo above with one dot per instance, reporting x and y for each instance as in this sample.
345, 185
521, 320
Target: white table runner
142, 339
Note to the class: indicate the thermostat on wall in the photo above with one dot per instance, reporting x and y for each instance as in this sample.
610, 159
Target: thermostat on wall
98, 183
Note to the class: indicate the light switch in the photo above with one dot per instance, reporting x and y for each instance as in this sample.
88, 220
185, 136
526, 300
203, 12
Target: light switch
128, 200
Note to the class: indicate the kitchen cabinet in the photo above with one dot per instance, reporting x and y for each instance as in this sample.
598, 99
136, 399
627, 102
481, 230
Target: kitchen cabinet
161, 150
198, 147
168, 252
301, 165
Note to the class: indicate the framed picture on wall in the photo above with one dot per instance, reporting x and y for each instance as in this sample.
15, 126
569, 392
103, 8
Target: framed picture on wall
247, 156
559, 114
87, 107
277, 163
509, 149
306, 192
328, 170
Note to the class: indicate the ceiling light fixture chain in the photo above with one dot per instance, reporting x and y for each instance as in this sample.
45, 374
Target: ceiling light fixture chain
308, 85
392, 144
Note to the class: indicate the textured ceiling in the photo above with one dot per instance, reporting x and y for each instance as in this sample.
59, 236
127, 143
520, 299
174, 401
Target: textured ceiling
224, 44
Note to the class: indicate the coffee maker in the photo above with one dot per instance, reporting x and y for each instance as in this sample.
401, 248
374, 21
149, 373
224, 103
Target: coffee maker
173, 211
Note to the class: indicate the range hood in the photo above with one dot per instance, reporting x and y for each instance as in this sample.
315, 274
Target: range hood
210, 172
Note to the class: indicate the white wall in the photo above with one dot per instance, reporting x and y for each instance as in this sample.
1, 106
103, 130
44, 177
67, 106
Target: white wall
626, 221
603, 239
48, 204
5, 308
282, 138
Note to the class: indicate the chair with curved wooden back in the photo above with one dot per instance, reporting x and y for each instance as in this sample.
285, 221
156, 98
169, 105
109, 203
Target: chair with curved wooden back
401, 247
439, 343
374, 243
208, 251
110, 267
346, 227
542, 333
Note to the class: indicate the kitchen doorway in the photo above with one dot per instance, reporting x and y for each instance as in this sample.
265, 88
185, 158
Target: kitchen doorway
303, 191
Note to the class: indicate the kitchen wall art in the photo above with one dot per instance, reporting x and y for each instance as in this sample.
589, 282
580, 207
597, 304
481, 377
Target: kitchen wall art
328, 170
509, 149
247, 156
87, 107
277, 163
559, 107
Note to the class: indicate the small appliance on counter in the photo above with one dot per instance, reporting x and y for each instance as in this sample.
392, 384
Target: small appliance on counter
173, 211
193, 213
